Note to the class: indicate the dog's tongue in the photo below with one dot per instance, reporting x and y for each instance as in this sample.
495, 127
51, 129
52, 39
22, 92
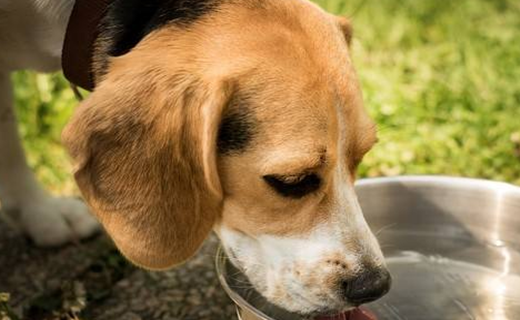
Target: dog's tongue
356, 314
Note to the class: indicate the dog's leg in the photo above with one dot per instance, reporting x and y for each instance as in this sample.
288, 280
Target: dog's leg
47, 220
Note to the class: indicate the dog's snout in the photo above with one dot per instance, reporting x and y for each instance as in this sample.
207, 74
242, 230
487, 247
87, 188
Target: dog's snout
371, 284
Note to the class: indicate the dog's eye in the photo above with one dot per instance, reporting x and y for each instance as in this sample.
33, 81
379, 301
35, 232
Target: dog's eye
293, 186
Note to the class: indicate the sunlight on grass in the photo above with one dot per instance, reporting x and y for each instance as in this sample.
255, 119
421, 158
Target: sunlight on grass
440, 78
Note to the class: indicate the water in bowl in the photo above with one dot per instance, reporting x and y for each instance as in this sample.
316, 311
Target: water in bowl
457, 284
451, 280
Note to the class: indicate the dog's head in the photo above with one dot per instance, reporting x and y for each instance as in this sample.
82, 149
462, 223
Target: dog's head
249, 122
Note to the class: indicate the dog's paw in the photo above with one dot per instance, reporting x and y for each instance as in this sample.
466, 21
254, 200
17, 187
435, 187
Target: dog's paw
56, 221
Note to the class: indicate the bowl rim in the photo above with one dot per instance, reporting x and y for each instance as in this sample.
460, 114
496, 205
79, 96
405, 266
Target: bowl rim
239, 301
503, 187
440, 179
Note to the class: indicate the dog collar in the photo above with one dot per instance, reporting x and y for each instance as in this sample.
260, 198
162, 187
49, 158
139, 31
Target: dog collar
78, 47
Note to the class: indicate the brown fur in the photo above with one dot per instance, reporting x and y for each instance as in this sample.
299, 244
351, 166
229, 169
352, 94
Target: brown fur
144, 143
145, 156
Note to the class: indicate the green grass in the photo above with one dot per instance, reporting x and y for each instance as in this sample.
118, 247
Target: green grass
44, 103
441, 79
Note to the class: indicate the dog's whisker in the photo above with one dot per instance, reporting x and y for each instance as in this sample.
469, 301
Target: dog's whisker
383, 228
250, 287
240, 281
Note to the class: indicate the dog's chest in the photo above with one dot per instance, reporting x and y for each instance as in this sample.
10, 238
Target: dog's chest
32, 33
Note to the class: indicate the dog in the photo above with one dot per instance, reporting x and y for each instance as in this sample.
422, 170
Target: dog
244, 117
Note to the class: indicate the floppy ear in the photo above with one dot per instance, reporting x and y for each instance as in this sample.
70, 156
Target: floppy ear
346, 28
144, 149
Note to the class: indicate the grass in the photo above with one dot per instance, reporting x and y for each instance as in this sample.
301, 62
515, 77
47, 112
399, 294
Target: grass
44, 103
441, 79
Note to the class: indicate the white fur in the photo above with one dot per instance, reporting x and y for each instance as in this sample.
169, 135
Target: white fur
298, 264
31, 37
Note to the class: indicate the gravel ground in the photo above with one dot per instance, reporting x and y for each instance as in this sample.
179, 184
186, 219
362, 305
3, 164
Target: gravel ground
90, 280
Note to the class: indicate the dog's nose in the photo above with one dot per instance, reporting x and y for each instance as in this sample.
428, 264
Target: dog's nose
370, 285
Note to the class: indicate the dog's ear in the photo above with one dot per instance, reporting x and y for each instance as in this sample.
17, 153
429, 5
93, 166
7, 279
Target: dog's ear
144, 149
346, 28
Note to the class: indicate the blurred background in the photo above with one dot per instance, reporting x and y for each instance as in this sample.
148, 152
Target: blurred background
441, 79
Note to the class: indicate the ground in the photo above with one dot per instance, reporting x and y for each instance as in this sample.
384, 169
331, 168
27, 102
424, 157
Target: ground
90, 280
441, 79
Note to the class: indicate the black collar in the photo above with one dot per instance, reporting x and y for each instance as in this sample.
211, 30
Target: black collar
78, 47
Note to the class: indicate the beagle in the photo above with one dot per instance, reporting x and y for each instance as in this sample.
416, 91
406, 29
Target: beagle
244, 117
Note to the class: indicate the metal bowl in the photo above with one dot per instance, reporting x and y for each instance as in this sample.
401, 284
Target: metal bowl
451, 244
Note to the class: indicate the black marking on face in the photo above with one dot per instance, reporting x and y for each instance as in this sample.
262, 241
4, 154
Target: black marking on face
237, 128
127, 22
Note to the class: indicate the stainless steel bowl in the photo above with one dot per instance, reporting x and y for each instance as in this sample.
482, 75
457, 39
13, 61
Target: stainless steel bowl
452, 246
